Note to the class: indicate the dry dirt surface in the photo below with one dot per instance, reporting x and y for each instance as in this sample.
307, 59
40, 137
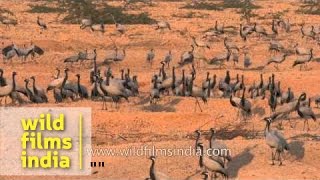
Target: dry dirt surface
171, 123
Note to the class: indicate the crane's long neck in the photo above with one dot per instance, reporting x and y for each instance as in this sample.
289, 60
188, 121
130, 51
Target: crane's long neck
183, 83
34, 85
201, 157
155, 82
78, 82
242, 98
298, 103
261, 80
65, 79
27, 88
108, 80
211, 139
152, 170
122, 72
173, 77
197, 140
13, 82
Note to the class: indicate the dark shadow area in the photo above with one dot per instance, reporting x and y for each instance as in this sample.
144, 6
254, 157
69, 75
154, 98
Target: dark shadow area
231, 131
306, 135
100, 12
143, 100
158, 108
259, 111
238, 161
173, 102
297, 149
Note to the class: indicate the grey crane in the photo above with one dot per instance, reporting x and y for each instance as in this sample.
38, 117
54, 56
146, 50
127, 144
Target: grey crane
275, 46
199, 43
154, 174
260, 30
287, 96
305, 32
305, 112
163, 25
155, 93
219, 28
72, 59
8, 53
245, 31
9, 22
38, 91
242, 104
238, 85
98, 27
85, 23
57, 95
24, 52
285, 25
9, 88
229, 45
302, 50
168, 58
197, 92
272, 101
303, 60
275, 140
274, 27
150, 56
227, 77
187, 57
220, 59
235, 57
119, 27
247, 60
32, 96
115, 56
2, 79
213, 165
83, 55
218, 145
115, 91
56, 82
82, 90
66, 93
277, 60
41, 23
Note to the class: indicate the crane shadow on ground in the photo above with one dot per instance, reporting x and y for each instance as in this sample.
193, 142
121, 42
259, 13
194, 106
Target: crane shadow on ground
303, 136
258, 68
168, 107
259, 111
297, 150
239, 161
232, 131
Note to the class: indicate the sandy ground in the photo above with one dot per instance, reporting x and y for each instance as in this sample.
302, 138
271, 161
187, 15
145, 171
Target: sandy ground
171, 123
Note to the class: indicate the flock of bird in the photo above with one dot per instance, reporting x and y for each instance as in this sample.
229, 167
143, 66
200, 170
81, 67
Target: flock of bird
176, 81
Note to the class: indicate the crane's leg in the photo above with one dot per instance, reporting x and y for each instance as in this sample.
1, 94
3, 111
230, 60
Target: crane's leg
307, 125
272, 157
280, 160
199, 105
304, 124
